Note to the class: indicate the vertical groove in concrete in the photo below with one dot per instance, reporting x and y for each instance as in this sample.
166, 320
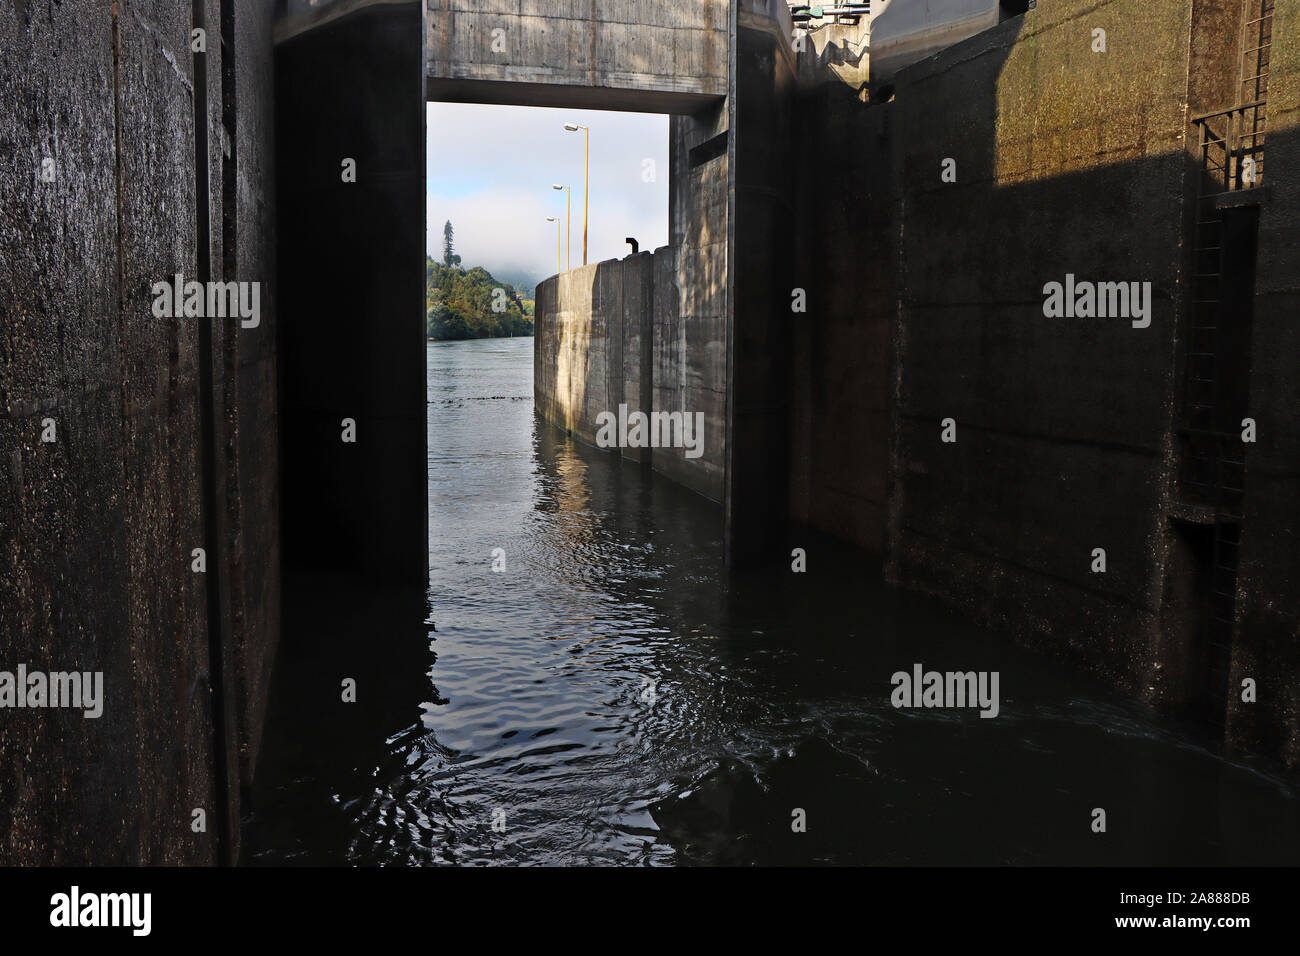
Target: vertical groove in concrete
232, 539
207, 457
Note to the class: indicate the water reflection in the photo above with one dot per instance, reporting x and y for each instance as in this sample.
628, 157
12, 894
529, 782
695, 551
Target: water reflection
612, 697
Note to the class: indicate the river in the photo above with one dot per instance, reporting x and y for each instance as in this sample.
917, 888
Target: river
608, 695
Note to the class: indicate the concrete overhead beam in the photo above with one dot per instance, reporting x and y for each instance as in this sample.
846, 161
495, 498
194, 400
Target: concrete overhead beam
674, 53
561, 95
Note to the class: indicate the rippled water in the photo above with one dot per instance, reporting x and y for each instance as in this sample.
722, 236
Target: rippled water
613, 697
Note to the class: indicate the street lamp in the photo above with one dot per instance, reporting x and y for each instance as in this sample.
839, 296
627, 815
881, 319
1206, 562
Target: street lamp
568, 220
556, 220
586, 156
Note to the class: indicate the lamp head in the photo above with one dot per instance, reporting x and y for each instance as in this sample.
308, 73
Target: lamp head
572, 127
557, 186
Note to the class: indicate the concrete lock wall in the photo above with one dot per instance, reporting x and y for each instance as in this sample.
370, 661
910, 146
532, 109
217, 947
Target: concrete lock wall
1065, 160
598, 344
689, 349
163, 430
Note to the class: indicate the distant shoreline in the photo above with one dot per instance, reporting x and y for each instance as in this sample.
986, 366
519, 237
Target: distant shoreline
480, 338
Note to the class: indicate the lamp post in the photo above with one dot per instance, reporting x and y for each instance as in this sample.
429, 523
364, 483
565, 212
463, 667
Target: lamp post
568, 221
556, 220
586, 157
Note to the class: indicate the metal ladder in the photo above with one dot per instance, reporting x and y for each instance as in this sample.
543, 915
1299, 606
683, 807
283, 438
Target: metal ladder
1256, 44
1213, 475
1256, 40
1213, 467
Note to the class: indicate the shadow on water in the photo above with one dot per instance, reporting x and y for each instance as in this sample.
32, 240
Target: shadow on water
612, 697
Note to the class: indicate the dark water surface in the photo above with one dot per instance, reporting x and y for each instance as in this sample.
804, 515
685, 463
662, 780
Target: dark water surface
770, 693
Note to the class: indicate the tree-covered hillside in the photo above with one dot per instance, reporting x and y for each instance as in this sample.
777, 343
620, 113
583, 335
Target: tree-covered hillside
471, 304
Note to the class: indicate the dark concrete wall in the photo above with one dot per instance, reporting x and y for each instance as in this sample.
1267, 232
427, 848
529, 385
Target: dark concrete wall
845, 249
926, 303
97, 527
351, 256
763, 277
1068, 161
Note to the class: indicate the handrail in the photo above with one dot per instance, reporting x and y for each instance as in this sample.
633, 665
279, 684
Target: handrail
1231, 109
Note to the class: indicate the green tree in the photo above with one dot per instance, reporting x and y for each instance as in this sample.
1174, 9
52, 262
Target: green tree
449, 257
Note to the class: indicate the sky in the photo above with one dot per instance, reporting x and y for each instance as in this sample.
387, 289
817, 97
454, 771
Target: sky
490, 170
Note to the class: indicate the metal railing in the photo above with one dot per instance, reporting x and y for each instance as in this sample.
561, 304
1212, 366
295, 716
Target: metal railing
1231, 145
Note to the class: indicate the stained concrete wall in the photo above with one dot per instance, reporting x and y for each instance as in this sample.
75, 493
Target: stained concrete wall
97, 527
572, 348
635, 362
596, 345
1068, 161
663, 56
692, 304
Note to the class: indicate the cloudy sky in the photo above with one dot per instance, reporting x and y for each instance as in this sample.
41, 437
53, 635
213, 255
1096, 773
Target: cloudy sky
490, 171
